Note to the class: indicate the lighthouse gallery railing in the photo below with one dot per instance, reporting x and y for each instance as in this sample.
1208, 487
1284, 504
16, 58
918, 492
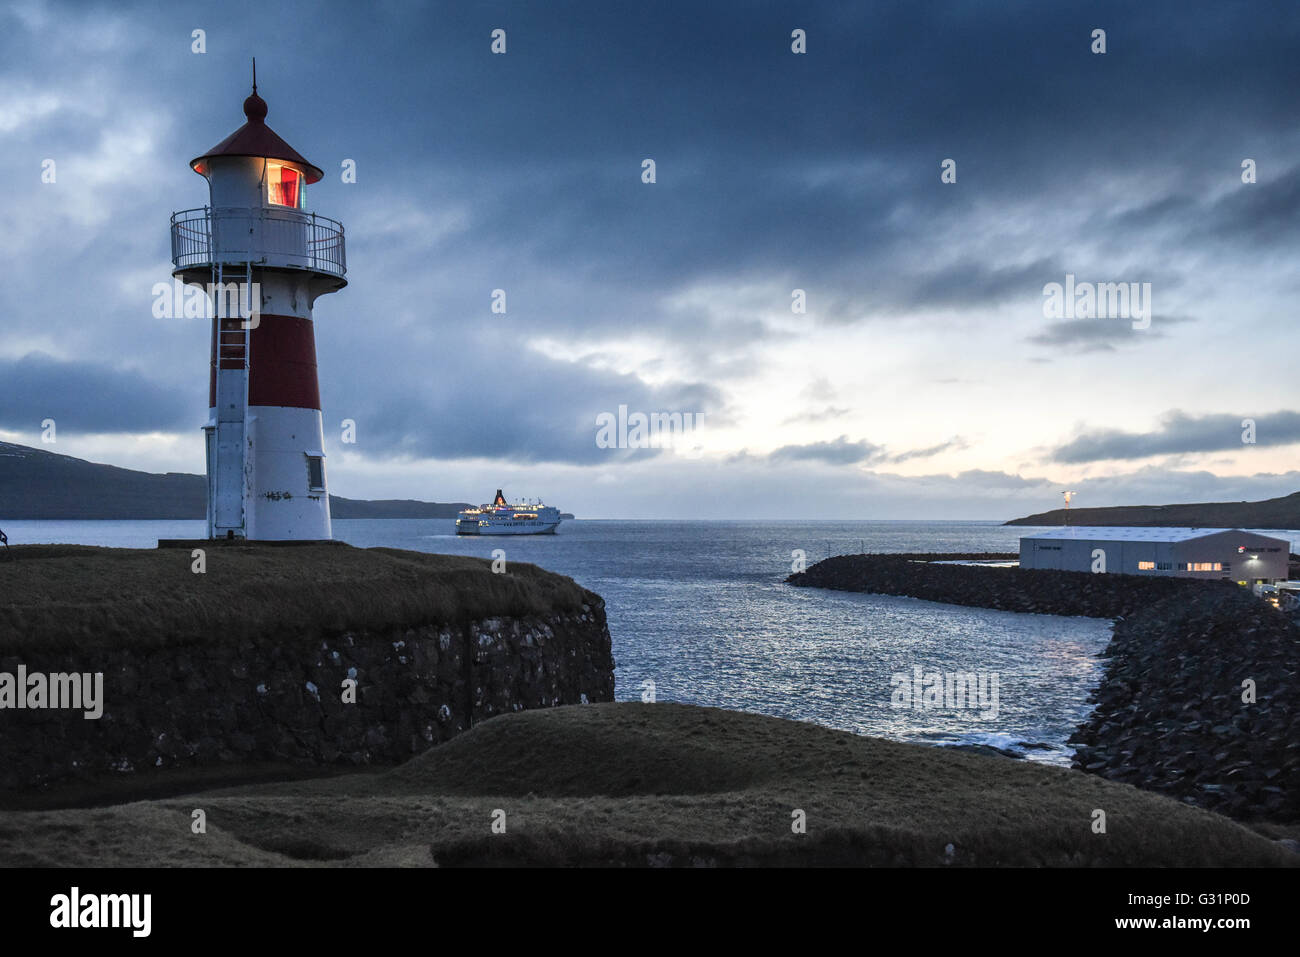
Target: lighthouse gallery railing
277, 237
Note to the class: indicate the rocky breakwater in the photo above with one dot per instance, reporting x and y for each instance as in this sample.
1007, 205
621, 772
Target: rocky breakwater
1201, 701
309, 655
1005, 589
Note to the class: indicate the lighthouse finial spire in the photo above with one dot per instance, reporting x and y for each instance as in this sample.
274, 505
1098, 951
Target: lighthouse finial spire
255, 106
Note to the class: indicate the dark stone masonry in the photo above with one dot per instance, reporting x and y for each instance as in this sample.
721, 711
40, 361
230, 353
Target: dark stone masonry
274, 700
1172, 713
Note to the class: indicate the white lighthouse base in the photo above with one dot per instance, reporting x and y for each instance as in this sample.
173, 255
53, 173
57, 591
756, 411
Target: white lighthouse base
281, 505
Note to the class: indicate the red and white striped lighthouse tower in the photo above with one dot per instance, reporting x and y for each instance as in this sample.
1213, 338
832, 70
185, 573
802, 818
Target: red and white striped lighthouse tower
266, 259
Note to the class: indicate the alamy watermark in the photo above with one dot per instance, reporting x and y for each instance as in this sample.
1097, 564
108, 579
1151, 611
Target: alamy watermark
946, 690
1098, 300
647, 430
77, 691
75, 909
229, 300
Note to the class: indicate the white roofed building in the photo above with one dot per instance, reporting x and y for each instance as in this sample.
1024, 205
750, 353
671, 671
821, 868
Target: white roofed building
1247, 558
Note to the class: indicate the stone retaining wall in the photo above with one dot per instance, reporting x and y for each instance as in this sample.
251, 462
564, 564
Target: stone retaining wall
282, 700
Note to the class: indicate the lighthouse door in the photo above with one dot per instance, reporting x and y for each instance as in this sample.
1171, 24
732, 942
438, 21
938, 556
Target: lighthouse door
227, 476
228, 491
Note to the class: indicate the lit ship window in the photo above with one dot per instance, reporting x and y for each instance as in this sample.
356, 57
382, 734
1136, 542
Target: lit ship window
283, 186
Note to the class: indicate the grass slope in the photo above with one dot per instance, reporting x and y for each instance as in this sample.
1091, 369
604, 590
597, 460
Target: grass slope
661, 784
76, 597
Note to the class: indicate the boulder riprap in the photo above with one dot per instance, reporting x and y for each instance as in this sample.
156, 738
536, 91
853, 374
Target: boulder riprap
1201, 701
1173, 711
1006, 589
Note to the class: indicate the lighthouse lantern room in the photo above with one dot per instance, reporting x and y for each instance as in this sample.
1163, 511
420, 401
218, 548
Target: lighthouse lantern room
264, 259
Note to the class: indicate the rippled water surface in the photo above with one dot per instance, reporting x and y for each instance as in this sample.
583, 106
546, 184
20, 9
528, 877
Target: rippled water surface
700, 610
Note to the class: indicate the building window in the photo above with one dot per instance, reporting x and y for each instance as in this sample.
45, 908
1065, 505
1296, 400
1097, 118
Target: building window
1164, 566
1146, 566
283, 186
316, 473
1205, 567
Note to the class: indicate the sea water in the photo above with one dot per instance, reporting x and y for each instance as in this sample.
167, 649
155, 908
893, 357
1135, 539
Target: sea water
699, 613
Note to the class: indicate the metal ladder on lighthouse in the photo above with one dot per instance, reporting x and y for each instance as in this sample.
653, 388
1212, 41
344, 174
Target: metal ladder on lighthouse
230, 453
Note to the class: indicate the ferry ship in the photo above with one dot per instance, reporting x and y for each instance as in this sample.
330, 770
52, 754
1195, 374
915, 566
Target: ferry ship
502, 518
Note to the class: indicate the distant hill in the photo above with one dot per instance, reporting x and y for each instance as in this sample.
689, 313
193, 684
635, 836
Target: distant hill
36, 484
1271, 513
393, 508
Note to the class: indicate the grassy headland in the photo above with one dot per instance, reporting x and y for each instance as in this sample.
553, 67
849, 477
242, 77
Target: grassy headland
61, 596
656, 785
1283, 512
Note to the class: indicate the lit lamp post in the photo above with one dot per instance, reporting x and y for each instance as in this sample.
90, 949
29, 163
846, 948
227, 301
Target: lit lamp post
1068, 496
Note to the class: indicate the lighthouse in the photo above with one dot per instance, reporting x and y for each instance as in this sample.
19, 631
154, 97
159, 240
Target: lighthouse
264, 259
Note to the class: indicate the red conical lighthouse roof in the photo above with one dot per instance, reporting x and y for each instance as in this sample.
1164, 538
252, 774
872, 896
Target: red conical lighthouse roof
255, 138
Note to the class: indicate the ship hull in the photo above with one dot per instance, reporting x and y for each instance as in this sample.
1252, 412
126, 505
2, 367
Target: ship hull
493, 528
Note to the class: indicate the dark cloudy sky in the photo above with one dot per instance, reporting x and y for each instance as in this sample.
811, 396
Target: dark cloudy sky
923, 381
